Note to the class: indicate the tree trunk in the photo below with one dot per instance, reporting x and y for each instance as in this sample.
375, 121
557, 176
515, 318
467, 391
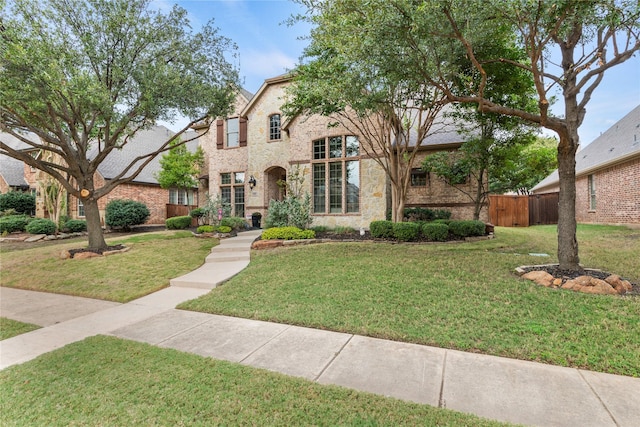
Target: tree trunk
567, 224
94, 228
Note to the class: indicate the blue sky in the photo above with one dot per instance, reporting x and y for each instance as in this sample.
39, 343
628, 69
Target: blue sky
268, 47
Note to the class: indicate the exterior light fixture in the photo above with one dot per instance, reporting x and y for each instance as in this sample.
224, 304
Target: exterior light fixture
252, 182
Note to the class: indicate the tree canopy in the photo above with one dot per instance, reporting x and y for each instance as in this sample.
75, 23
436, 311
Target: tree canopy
180, 167
86, 75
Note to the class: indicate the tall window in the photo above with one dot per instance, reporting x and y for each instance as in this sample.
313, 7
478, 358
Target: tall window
274, 127
233, 133
232, 191
336, 175
182, 197
80, 209
592, 193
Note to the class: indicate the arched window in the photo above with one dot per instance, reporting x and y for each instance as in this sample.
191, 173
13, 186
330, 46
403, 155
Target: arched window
274, 127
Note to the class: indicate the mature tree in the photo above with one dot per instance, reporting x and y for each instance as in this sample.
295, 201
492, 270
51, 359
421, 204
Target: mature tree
358, 70
180, 167
569, 45
524, 166
86, 75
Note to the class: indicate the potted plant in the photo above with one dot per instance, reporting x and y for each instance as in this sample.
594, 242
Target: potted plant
255, 219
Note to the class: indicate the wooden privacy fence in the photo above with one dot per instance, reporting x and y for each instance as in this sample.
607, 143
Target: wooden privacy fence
523, 211
181, 210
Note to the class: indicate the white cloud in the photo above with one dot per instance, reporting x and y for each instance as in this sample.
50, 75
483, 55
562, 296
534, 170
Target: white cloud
256, 66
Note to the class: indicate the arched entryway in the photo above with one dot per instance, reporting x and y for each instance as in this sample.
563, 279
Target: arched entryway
273, 190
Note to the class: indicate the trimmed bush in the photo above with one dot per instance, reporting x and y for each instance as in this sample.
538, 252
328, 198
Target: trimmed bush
178, 222
435, 232
125, 214
41, 226
382, 229
22, 203
235, 223
287, 233
406, 231
442, 214
13, 223
205, 229
223, 229
197, 213
467, 228
75, 226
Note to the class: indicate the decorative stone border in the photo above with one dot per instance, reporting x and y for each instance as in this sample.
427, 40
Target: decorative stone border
85, 255
612, 284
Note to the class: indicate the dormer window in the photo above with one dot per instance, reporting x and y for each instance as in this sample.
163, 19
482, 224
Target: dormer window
274, 127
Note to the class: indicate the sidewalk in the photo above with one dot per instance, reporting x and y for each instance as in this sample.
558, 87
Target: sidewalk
493, 387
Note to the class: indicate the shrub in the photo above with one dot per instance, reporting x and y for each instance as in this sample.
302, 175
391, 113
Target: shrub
197, 213
320, 228
287, 233
8, 212
467, 228
235, 223
435, 232
441, 214
223, 229
178, 222
382, 229
75, 226
406, 231
125, 214
290, 212
41, 226
205, 229
10, 224
23, 203
418, 214
441, 221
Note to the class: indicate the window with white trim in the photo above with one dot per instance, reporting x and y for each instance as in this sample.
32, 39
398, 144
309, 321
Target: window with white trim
182, 197
233, 133
80, 209
274, 127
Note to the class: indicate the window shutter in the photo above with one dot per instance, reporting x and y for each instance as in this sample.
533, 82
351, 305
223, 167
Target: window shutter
243, 132
219, 134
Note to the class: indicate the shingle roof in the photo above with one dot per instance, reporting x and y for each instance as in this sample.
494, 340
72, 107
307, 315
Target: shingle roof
12, 170
144, 142
615, 145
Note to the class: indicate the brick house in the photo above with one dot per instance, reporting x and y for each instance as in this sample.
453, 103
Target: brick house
255, 147
607, 175
144, 188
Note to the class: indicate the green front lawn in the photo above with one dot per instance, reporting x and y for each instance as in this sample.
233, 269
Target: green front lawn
108, 381
10, 328
461, 296
153, 260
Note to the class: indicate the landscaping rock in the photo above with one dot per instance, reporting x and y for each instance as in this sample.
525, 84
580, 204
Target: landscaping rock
35, 238
540, 277
85, 255
65, 254
621, 286
266, 244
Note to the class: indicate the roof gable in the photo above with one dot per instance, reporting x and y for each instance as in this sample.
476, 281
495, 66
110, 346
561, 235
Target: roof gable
617, 144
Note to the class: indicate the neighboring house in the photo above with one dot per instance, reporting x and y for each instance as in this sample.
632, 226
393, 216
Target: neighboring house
607, 175
144, 188
254, 148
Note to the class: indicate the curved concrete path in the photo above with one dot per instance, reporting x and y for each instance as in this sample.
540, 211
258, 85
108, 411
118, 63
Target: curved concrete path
493, 387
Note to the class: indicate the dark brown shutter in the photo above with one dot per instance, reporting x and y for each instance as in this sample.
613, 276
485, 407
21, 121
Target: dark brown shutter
243, 132
219, 134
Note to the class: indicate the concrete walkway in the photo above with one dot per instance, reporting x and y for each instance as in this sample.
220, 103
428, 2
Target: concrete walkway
493, 387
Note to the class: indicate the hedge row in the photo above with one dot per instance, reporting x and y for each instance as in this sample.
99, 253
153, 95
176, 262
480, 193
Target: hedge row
287, 233
436, 231
178, 222
213, 229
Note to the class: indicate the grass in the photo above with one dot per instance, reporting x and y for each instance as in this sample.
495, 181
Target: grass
460, 296
109, 381
10, 328
153, 260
